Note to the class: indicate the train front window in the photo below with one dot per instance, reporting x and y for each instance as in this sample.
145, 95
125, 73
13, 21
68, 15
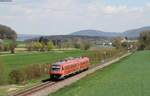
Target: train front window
55, 68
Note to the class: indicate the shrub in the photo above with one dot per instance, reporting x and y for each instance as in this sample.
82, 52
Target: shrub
28, 73
16, 76
37, 46
77, 44
50, 46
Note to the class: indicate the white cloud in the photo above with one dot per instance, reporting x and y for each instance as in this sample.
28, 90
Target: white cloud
67, 8
115, 9
59, 4
70, 15
99, 8
147, 4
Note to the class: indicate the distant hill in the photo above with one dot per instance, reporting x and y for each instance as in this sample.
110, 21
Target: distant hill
136, 32
129, 33
96, 33
22, 37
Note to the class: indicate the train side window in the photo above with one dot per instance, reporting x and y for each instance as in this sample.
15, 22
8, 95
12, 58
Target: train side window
74, 65
71, 66
67, 67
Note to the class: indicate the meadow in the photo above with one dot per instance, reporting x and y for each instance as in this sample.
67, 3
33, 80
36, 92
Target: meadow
128, 77
21, 63
23, 59
15, 66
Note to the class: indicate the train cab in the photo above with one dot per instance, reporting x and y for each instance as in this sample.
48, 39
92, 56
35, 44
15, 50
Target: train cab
56, 70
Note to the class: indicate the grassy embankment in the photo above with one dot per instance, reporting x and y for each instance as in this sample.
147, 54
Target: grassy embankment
128, 77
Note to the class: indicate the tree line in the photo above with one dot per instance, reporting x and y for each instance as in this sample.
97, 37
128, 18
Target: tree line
144, 41
48, 45
8, 35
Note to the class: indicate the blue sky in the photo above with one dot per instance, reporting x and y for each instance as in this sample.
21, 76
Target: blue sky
55, 17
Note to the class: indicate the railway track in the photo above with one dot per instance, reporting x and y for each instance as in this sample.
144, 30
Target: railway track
33, 89
39, 87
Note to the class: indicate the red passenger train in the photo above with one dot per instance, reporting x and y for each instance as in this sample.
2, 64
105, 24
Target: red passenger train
63, 69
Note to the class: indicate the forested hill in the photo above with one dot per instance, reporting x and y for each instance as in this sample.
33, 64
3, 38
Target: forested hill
136, 32
96, 33
128, 33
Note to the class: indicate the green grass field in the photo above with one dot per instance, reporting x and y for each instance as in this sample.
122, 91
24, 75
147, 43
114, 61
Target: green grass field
18, 60
10, 62
128, 77
24, 59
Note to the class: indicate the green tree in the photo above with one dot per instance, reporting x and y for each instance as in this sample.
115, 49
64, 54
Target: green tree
13, 46
117, 44
144, 41
37, 46
77, 44
1, 45
50, 46
7, 33
43, 46
69, 44
6, 47
43, 40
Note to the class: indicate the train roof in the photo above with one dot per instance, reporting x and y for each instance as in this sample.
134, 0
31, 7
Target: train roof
67, 61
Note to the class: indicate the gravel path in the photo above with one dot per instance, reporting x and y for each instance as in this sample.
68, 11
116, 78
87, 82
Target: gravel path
75, 78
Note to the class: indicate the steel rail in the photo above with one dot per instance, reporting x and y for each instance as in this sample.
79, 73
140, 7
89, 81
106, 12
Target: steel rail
33, 89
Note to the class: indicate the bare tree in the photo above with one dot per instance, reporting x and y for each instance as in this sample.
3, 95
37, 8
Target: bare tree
86, 45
